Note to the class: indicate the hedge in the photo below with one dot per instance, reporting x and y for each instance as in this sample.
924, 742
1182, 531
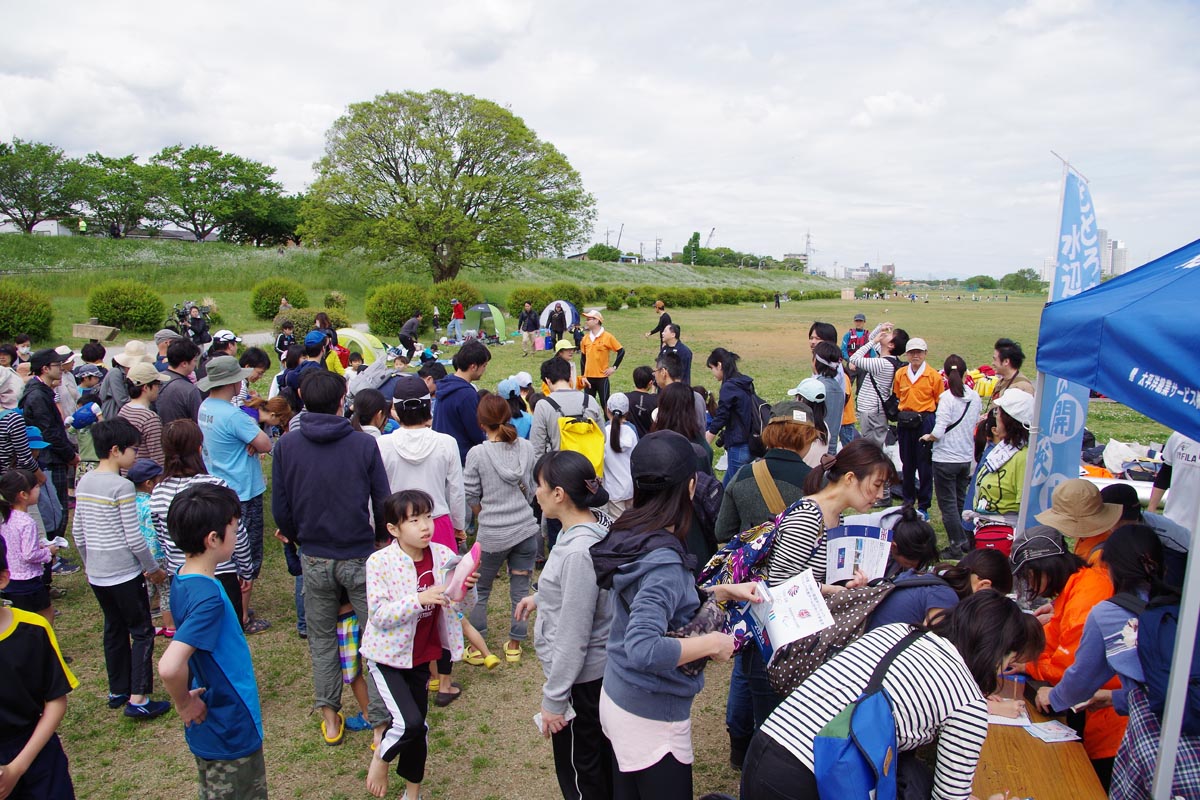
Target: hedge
440, 295
24, 311
539, 296
571, 292
391, 305
127, 304
614, 301
265, 297
303, 319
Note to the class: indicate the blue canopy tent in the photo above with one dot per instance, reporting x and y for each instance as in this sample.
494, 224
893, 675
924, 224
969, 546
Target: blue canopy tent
1121, 338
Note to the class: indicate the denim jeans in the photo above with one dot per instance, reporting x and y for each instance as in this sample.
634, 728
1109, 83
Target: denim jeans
455, 329
520, 559
751, 698
736, 457
950, 481
849, 434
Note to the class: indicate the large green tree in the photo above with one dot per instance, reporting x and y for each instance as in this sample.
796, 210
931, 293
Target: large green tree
1025, 280
120, 191
37, 182
264, 224
879, 282
603, 252
451, 178
205, 188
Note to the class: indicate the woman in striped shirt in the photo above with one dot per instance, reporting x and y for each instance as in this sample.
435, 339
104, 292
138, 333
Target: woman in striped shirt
937, 688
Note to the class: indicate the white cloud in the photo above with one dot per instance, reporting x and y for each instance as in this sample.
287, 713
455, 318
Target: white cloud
910, 131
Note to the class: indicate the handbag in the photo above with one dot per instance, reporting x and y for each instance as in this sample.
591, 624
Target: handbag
890, 405
710, 617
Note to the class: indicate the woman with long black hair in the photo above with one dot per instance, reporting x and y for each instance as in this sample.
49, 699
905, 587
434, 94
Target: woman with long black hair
734, 410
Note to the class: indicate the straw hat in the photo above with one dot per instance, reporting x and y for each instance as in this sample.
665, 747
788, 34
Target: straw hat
134, 352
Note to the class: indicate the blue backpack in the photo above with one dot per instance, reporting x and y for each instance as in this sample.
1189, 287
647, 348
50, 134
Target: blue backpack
855, 754
1158, 623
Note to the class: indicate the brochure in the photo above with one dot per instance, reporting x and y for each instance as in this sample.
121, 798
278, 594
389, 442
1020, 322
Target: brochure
1053, 731
862, 541
790, 611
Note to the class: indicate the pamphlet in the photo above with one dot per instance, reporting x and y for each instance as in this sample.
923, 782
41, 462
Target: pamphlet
1020, 721
1053, 731
862, 541
790, 611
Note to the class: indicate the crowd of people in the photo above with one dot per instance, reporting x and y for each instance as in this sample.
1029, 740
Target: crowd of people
603, 507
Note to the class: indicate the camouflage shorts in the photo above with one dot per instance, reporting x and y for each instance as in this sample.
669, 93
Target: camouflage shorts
239, 779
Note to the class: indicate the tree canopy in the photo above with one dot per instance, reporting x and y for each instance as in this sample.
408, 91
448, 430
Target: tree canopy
1025, 280
119, 191
604, 252
203, 187
879, 282
37, 182
979, 282
451, 178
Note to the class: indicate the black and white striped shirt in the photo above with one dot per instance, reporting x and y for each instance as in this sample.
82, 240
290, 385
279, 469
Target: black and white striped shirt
14, 444
160, 506
933, 696
800, 543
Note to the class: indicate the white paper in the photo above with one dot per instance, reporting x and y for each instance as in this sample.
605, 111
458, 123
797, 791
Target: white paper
1053, 731
541, 725
57, 541
792, 610
1020, 721
847, 553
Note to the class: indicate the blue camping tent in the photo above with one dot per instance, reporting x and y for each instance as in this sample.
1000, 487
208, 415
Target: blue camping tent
1129, 339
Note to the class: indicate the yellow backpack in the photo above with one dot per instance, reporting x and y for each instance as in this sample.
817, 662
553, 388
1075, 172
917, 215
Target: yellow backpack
580, 433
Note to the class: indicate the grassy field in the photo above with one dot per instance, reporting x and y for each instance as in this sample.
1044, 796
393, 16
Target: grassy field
484, 746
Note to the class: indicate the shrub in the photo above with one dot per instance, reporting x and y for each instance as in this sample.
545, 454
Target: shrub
571, 292
303, 319
614, 301
440, 295
23, 311
391, 305
539, 296
727, 296
700, 297
600, 292
265, 297
335, 300
127, 304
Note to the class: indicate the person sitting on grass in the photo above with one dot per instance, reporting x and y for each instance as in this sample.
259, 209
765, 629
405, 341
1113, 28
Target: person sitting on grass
34, 682
207, 667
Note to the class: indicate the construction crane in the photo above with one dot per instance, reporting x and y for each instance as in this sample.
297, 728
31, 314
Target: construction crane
708, 241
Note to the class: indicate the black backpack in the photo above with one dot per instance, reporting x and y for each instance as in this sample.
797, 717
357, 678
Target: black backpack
760, 417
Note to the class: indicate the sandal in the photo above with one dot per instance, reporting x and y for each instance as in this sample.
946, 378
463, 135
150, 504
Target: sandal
168, 633
333, 741
444, 699
357, 723
472, 656
512, 654
491, 661
255, 625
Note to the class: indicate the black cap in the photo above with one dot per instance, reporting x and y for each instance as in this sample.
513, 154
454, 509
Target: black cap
662, 459
1040, 541
1124, 495
44, 358
410, 387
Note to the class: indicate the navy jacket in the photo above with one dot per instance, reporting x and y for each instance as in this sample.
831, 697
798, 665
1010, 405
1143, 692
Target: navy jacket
734, 407
457, 404
328, 486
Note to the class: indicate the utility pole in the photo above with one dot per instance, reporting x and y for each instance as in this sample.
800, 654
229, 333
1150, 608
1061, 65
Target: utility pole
607, 231
642, 251
619, 235
657, 244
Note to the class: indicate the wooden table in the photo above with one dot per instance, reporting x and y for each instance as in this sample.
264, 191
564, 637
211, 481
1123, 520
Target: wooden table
1015, 761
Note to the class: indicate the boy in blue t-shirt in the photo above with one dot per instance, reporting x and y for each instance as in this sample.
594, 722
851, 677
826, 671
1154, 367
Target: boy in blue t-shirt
34, 682
207, 667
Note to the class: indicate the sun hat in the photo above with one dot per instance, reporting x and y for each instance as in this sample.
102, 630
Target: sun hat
1077, 509
811, 389
166, 335
916, 343
409, 387
508, 387
142, 373
42, 359
564, 344
68, 355
134, 352
594, 314
222, 371
524, 379
314, 337
1040, 541
143, 470
860, 317
1018, 403
224, 335
796, 411
618, 404
34, 434
661, 460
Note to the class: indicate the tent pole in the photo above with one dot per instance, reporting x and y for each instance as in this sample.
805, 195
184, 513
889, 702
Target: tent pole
1039, 392
1177, 687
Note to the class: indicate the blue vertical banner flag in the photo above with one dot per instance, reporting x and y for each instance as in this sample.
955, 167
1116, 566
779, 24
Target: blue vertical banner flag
1062, 406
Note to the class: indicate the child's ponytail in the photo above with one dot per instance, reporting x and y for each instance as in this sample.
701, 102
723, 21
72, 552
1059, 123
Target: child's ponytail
614, 435
12, 484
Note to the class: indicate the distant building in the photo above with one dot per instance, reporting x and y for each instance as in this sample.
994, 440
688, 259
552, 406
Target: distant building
47, 227
1120, 258
889, 269
1105, 252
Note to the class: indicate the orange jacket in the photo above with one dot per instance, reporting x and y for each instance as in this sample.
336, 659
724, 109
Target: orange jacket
848, 415
1089, 586
920, 396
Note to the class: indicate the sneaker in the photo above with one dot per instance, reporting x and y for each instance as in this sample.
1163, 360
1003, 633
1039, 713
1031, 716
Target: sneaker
117, 700
302, 633
64, 567
473, 656
57, 593
923, 513
952, 553
148, 710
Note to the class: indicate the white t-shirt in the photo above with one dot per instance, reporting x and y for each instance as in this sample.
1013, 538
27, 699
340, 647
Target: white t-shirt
1183, 503
618, 481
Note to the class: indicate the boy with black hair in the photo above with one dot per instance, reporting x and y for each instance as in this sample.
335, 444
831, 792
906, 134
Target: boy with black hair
34, 682
207, 667
316, 345
285, 339
458, 400
642, 400
93, 353
179, 398
118, 562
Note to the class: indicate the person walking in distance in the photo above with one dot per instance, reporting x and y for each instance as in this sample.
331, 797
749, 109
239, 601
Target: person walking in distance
527, 324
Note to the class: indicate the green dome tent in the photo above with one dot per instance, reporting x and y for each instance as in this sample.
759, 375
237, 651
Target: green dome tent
481, 314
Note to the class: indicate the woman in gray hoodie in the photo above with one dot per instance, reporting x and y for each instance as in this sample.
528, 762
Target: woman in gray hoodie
498, 479
572, 626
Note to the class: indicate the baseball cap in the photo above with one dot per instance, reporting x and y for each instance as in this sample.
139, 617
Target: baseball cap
142, 373
1040, 541
226, 336
314, 337
1125, 496
143, 469
87, 371
222, 371
524, 379
166, 335
564, 344
916, 343
409, 387
796, 411
1077, 509
1018, 403
860, 317
661, 460
811, 389
618, 403
508, 387
594, 314
34, 434
44, 358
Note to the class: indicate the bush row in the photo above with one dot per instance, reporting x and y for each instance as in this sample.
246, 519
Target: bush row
615, 297
304, 318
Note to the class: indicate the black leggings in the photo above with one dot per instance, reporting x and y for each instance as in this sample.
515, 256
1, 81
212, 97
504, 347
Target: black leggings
404, 693
666, 780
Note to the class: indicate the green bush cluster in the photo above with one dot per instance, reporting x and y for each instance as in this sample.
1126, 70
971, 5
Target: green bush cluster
390, 306
571, 292
303, 319
440, 295
127, 304
613, 301
265, 297
335, 299
23, 311
539, 296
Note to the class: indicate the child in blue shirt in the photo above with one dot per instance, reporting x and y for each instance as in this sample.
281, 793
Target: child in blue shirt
207, 667
144, 475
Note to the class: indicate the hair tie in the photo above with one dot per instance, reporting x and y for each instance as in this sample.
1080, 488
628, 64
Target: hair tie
827, 462
952, 367
592, 485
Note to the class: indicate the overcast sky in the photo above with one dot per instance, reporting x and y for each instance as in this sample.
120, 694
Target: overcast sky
903, 131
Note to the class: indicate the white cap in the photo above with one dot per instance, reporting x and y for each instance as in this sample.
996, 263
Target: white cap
916, 343
811, 389
1018, 404
524, 379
